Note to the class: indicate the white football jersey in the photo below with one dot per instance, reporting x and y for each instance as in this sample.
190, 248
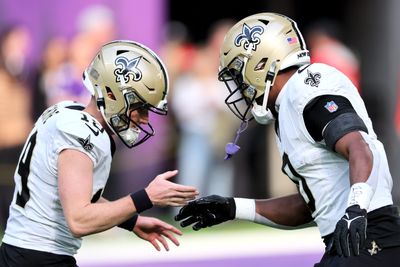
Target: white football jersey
36, 218
322, 176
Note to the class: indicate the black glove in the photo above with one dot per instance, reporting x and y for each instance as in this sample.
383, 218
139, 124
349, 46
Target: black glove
207, 211
351, 231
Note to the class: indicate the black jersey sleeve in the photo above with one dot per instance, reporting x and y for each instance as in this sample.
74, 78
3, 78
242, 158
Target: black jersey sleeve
330, 117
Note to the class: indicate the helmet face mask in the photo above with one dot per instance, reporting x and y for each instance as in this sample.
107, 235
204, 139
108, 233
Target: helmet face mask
241, 95
253, 52
129, 131
128, 80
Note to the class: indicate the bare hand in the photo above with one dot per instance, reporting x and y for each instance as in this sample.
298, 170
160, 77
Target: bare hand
166, 193
155, 230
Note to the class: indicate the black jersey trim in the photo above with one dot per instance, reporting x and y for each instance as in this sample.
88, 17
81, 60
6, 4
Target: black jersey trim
311, 199
112, 145
76, 107
97, 196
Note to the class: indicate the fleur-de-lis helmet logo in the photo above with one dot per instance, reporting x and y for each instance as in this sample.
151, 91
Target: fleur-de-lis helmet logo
127, 68
249, 35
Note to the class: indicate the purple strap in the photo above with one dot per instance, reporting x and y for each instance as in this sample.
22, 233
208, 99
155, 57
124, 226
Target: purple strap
233, 148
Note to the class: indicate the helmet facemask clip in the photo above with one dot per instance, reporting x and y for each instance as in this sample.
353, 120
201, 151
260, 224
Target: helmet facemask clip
261, 113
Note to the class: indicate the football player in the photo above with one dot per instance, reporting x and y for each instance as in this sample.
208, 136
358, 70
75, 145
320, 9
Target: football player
66, 160
326, 140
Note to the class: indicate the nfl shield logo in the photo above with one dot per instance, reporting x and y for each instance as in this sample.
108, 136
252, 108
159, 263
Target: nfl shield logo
331, 106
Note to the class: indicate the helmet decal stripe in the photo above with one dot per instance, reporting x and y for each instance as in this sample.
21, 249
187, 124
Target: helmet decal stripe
299, 36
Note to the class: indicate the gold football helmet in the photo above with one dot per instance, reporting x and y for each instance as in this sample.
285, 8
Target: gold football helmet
125, 76
253, 52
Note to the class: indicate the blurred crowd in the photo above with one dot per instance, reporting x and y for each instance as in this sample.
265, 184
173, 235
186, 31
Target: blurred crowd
27, 89
199, 123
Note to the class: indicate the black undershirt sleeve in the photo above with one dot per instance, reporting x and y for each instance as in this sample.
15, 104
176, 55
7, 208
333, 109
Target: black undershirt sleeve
330, 117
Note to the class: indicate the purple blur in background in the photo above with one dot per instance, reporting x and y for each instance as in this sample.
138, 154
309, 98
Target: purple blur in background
138, 20
141, 21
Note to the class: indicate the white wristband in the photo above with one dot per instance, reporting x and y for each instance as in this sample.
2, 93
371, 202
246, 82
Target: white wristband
245, 209
360, 194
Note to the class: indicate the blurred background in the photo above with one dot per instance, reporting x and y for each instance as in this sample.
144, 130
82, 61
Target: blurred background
45, 45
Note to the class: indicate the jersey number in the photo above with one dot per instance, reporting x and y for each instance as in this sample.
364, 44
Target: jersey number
23, 171
287, 168
95, 130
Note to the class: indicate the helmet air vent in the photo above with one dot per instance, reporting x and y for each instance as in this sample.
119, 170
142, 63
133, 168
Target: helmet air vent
119, 52
264, 21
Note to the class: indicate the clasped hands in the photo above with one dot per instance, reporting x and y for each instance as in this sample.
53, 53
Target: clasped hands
206, 211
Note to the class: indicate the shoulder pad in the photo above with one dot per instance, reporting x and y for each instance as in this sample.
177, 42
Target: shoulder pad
80, 130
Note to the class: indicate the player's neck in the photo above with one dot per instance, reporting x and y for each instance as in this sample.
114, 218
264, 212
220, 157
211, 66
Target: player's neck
280, 80
92, 109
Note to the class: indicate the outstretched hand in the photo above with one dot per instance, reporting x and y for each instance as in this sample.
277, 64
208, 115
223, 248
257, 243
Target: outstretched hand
206, 212
163, 192
156, 231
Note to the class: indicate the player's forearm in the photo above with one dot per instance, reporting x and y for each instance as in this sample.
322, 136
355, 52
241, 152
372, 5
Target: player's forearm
286, 212
356, 150
360, 162
100, 216
363, 179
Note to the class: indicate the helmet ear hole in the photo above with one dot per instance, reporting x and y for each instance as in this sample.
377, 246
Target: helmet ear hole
261, 64
110, 94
